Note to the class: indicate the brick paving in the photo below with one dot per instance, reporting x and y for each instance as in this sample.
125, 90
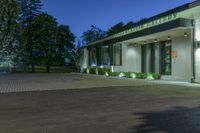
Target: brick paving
105, 105
40, 82
21, 82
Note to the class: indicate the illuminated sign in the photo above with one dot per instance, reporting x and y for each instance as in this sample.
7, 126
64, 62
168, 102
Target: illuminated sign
174, 54
148, 25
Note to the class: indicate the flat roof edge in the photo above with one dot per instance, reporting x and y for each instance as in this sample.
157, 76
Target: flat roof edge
181, 22
175, 10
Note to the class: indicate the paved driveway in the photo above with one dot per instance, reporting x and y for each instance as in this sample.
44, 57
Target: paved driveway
105, 105
41, 82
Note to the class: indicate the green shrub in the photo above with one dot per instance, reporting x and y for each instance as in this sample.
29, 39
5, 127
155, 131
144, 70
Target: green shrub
141, 75
88, 71
116, 74
131, 75
157, 76
127, 74
144, 75
92, 70
121, 75
96, 71
107, 72
100, 71
85, 70
153, 76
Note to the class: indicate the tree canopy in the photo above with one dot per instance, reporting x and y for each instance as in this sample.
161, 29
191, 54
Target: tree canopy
43, 30
8, 24
28, 10
119, 27
52, 44
34, 37
93, 34
65, 44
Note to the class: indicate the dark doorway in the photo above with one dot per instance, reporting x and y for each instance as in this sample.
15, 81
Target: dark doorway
148, 58
152, 58
143, 58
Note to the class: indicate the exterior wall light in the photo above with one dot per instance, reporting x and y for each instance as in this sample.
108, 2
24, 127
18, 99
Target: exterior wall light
112, 69
145, 42
156, 40
198, 53
168, 38
185, 34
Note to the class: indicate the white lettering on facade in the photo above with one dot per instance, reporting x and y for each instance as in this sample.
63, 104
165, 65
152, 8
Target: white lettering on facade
148, 25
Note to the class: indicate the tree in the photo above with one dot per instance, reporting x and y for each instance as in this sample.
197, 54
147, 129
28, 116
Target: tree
8, 16
65, 44
28, 10
78, 54
119, 27
45, 48
93, 34
129, 25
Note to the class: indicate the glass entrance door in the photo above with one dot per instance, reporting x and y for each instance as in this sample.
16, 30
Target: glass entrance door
167, 58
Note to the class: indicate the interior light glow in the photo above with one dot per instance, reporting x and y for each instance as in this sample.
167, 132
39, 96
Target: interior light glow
198, 53
197, 30
197, 34
131, 53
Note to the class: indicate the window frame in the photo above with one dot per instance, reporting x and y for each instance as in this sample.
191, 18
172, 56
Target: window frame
114, 51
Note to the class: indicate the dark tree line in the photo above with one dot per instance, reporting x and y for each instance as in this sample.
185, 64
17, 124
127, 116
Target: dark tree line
95, 33
32, 37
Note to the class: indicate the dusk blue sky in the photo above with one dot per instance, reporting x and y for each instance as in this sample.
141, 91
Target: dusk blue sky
80, 14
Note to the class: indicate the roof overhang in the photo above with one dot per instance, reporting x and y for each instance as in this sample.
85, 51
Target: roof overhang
177, 23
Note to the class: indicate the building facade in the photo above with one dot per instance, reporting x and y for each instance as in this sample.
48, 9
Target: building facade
168, 44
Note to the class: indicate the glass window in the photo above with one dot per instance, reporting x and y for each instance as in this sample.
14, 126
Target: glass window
93, 60
117, 54
105, 58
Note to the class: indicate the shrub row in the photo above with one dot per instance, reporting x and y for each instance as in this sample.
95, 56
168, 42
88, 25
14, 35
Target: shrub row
98, 71
107, 72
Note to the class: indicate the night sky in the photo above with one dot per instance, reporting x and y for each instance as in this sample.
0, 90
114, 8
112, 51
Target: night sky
80, 14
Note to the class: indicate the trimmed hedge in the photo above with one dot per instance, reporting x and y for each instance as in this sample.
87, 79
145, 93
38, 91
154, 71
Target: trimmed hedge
133, 75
